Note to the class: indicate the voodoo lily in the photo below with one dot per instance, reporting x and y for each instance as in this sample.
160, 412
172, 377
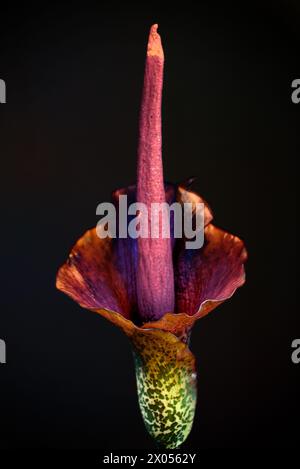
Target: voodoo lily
155, 289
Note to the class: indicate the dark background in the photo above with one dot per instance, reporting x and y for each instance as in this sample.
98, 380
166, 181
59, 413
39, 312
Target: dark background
68, 137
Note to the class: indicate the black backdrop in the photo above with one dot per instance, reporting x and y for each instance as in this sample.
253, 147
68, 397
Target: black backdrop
68, 137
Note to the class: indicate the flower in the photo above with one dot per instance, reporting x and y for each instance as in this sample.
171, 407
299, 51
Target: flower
155, 289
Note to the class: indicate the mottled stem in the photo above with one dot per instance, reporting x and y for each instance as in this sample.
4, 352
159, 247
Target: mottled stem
167, 386
155, 279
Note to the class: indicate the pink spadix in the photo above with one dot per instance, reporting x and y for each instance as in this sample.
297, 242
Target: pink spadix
155, 275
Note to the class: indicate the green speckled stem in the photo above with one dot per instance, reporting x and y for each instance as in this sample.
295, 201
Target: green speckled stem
166, 384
